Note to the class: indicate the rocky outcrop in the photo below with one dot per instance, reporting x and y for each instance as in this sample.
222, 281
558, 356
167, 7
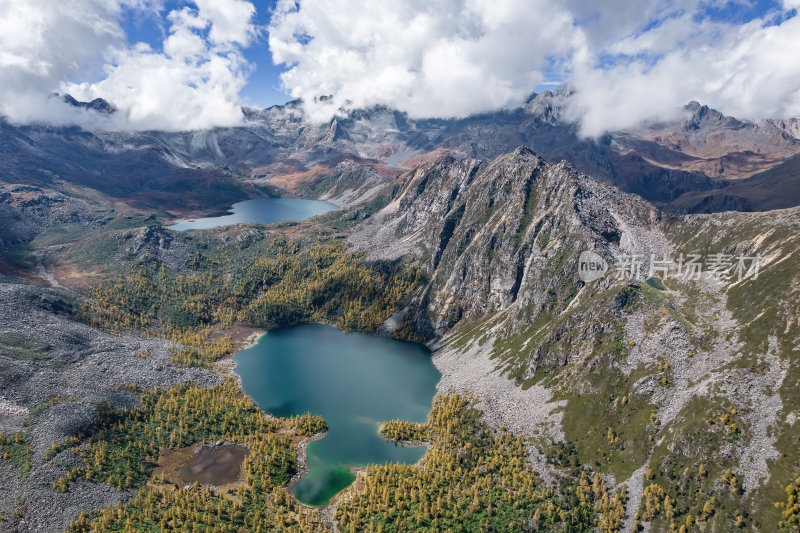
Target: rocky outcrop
710, 145
98, 104
775, 188
345, 180
505, 233
556, 357
789, 125
26, 211
154, 243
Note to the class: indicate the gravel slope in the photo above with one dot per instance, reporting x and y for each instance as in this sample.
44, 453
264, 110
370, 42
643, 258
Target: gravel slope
68, 359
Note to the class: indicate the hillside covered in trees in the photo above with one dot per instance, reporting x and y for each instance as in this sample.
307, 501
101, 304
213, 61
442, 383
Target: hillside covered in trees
659, 403
471, 479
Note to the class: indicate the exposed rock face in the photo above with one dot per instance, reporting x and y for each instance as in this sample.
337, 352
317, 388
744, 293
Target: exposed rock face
789, 125
549, 106
711, 144
776, 188
345, 180
511, 321
98, 104
660, 162
703, 116
351, 183
493, 235
26, 210
14, 229
157, 243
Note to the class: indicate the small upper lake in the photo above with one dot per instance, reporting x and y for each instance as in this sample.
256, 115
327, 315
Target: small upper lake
261, 210
356, 381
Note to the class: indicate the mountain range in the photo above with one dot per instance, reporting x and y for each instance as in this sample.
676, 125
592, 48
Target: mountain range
682, 386
705, 162
634, 368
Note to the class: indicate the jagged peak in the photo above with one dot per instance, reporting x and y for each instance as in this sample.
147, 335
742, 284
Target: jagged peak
523, 150
565, 90
98, 104
703, 115
521, 154
693, 106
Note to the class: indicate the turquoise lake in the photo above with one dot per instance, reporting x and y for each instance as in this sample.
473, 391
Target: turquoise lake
261, 210
356, 381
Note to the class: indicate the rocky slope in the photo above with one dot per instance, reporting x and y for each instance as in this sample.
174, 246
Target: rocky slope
645, 377
498, 234
25, 210
143, 171
53, 371
704, 151
776, 188
711, 143
655, 360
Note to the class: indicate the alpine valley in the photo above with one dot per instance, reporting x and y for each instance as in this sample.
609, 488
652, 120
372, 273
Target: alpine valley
638, 400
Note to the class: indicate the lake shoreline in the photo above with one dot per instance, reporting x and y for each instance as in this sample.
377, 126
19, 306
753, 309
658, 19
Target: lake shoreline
301, 447
302, 465
265, 210
223, 211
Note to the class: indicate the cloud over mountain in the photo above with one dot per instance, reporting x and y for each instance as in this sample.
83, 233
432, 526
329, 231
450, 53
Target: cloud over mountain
628, 61
448, 58
193, 82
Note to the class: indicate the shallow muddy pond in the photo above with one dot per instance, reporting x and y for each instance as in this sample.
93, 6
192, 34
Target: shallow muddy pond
214, 465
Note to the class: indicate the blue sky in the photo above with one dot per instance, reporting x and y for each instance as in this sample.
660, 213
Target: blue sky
628, 60
739, 12
263, 88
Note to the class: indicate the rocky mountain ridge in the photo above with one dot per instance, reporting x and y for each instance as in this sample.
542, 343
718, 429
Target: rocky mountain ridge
655, 361
704, 151
493, 228
655, 356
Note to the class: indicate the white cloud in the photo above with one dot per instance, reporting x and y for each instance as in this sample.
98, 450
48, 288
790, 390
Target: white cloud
628, 61
449, 58
194, 83
230, 21
750, 70
42, 43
